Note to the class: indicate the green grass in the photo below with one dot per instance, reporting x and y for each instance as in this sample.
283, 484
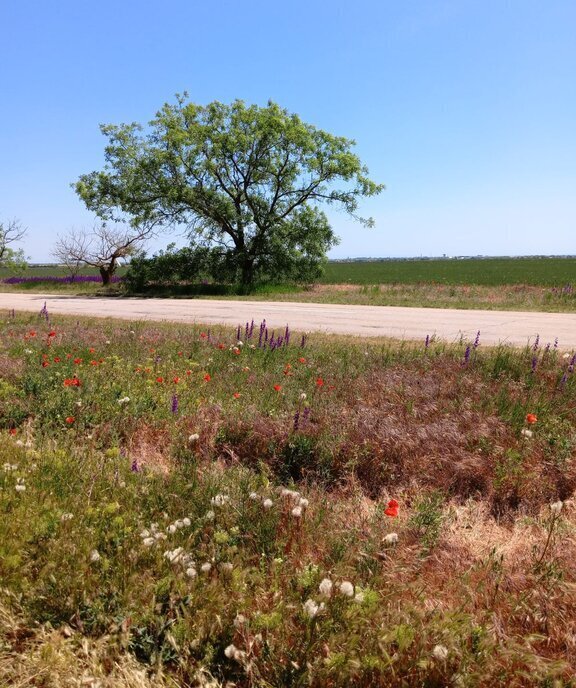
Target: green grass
180, 509
551, 272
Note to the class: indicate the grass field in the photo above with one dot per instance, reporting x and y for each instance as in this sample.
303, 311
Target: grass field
181, 508
539, 284
549, 272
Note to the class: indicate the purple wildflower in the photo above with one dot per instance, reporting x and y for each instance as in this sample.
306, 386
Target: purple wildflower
467, 355
477, 340
296, 420
556, 343
563, 379
536, 343
427, 341
306, 415
534, 363
135, 468
44, 312
303, 341
174, 406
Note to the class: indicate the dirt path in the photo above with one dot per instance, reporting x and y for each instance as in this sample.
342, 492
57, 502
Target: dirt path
370, 321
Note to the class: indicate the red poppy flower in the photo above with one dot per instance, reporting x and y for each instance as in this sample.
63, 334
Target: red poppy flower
277, 387
45, 364
392, 509
203, 335
77, 360
179, 353
72, 382
32, 333
188, 372
70, 420
319, 382
221, 346
12, 431
531, 418
236, 395
302, 360
207, 377
52, 334
159, 379
93, 362
91, 350
57, 359
176, 380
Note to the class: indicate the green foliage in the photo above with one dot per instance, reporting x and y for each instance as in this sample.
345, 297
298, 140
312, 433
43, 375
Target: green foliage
246, 182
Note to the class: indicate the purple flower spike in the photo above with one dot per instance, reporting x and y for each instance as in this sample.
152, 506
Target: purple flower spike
536, 343
427, 341
135, 468
556, 343
303, 341
534, 363
296, 420
477, 340
174, 406
467, 355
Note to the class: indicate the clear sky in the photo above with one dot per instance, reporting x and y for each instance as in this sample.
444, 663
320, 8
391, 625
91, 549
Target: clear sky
465, 109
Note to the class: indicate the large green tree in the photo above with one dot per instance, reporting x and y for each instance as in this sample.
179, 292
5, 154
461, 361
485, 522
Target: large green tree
245, 181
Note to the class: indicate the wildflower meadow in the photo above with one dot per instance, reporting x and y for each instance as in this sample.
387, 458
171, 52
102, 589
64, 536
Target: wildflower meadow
194, 506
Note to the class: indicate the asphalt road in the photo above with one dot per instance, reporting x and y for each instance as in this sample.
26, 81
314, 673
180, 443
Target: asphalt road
517, 328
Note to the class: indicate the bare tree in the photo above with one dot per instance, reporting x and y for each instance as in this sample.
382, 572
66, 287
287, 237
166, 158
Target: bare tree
11, 231
103, 247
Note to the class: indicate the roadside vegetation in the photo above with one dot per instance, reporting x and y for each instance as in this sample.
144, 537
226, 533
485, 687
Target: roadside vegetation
530, 284
183, 506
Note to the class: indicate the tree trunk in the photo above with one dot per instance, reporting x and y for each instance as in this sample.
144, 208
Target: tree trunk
106, 275
247, 276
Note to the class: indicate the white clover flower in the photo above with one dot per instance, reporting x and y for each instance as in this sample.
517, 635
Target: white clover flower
239, 621
325, 587
230, 651
303, 502
28, 351
285, 492
20, 487
179, 523
526, 433
359, 597
267, 503
347, 589
186, 521
107, 341
297, 511
206, 567
239, 343
440, 652
171, 528
239, 656
391, 538
148, 541
556, 507
145, 533
123, 400
303, 396
312, 609
220, 500
94, 556
193, 438
160, 536
66, 517
254, 496
209, 516
191, 572
174, 555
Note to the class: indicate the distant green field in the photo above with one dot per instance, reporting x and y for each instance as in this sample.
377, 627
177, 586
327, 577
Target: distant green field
551, 272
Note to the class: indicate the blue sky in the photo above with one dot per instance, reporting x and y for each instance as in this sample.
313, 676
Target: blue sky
465, 109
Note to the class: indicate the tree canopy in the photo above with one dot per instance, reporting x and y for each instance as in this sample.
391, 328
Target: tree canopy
246, 182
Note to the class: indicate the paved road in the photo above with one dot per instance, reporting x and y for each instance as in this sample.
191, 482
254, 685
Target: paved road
516, 328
